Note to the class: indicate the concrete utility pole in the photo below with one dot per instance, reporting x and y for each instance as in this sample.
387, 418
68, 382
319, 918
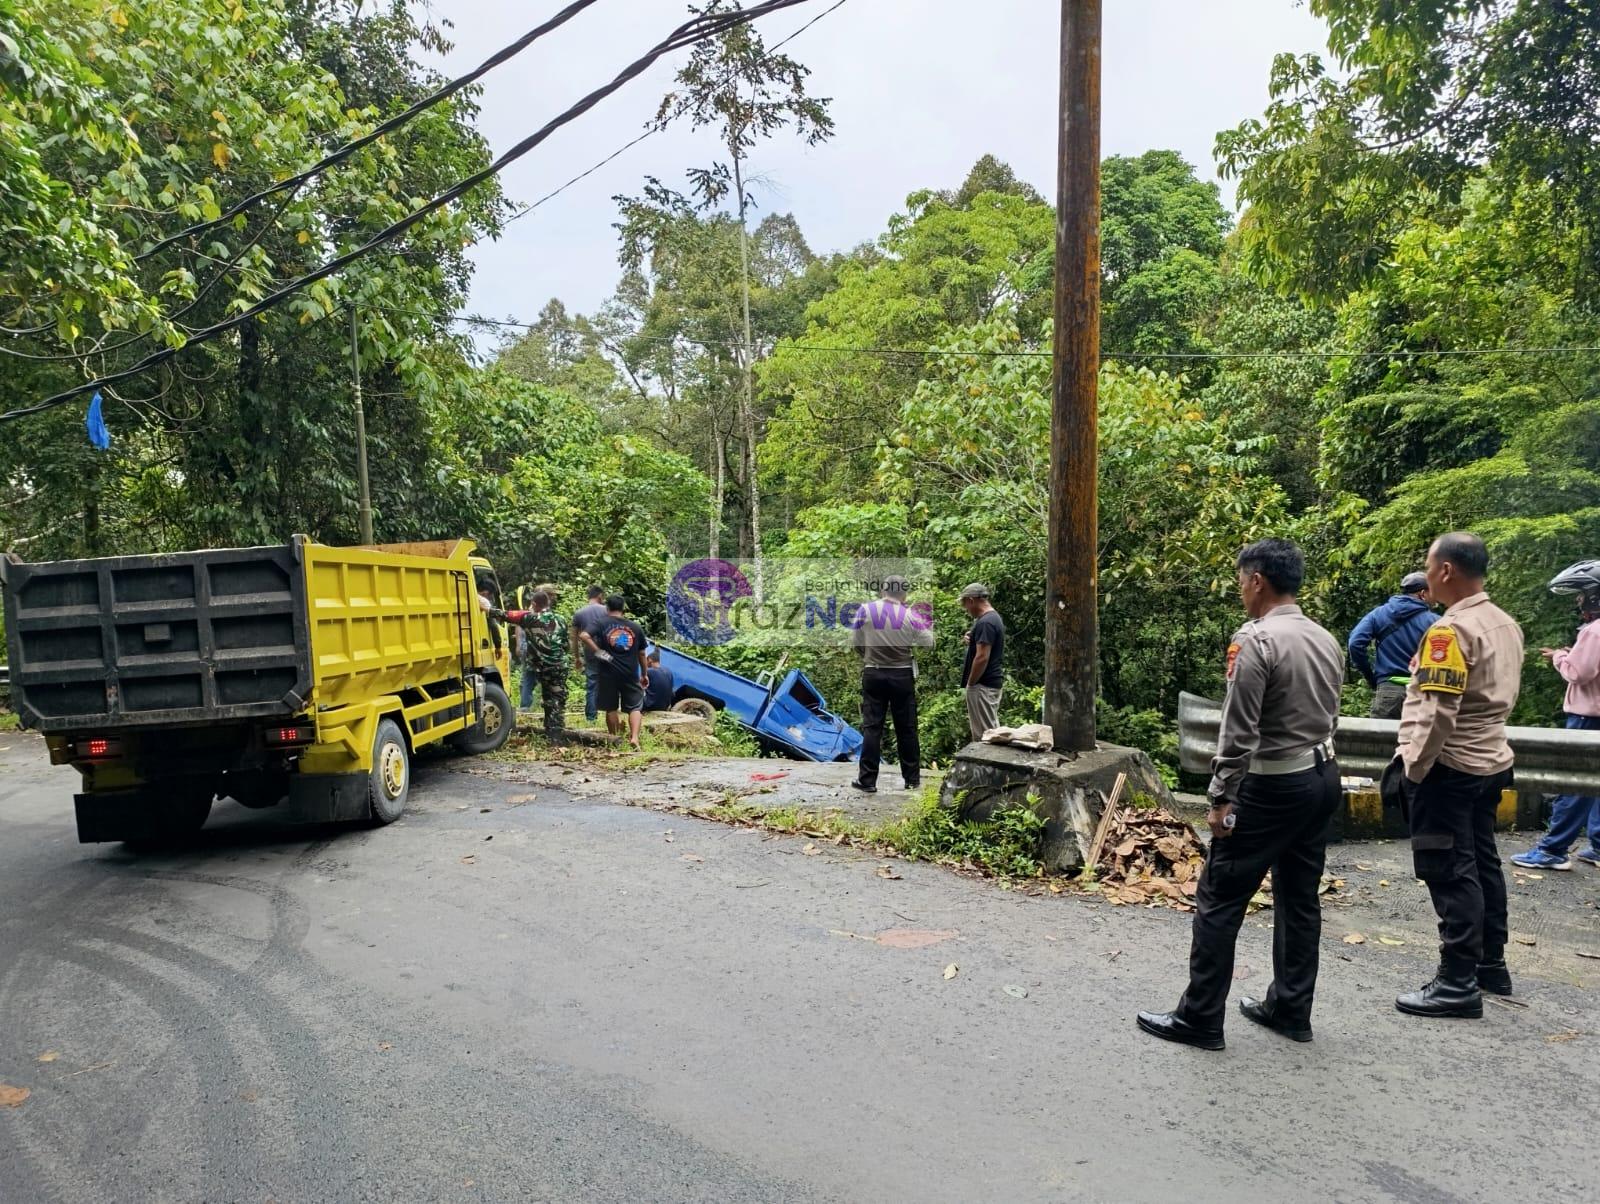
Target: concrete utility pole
364, 510
1071, 619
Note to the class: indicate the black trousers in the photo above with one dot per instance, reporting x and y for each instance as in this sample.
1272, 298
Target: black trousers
1282, 826
1453, 850
891, 692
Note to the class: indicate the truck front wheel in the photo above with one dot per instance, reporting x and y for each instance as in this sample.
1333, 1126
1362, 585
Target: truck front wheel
390, 781
494, 724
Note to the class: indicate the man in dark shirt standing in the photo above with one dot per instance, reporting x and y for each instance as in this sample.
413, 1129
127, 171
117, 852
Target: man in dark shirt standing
1274, 789
886, 635
618, 644
984, 672
587, 619
1389, 635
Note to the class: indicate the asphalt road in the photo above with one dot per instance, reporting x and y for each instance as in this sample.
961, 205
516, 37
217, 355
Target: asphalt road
516, 998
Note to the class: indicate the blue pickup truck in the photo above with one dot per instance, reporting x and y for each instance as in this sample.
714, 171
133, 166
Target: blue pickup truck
788, 717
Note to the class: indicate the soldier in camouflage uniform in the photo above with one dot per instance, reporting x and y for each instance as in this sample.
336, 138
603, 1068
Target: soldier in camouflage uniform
545, 633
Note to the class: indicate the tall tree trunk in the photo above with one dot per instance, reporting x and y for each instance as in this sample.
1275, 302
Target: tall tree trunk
719, 484
747, 408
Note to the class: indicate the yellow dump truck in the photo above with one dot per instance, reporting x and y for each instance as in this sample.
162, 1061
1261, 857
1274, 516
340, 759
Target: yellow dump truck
297, 675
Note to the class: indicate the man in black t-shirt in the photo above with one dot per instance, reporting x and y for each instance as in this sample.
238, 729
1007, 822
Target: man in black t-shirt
983, 674
617, 645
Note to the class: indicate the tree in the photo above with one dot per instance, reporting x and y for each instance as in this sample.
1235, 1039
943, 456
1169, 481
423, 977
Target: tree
969, 458
1430, 91
733, 83
678, 319
245, 438
1160, 240
936, 269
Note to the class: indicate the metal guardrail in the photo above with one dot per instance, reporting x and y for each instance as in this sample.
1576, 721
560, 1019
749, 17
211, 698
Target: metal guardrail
1549, 760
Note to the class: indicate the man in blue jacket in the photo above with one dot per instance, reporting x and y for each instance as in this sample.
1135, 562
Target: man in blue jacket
1383, 643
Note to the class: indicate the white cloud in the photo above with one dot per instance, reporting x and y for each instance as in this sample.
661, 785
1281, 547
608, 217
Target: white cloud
921, 89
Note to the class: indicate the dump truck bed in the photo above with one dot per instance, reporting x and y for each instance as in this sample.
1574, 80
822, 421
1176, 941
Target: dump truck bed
171, 639
228, 634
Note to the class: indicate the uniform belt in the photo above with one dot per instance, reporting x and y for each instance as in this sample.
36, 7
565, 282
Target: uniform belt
1298, 763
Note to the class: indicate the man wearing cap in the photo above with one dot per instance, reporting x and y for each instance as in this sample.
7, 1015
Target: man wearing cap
886, 634
1274, 788
983, 674
1455, 762
1389, 635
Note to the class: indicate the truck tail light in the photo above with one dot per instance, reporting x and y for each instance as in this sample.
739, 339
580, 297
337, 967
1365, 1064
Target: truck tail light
282, 736
98, 748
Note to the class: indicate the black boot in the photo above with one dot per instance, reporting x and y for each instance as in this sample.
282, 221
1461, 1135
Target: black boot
1494, 977
1452, 993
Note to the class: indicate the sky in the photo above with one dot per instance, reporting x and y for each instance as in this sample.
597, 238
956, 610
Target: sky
920, 89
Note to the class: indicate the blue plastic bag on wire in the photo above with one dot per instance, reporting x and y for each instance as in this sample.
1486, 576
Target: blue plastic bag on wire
95, 423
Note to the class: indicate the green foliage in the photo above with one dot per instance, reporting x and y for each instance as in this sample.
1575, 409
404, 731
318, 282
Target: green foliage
1009, 845
245, 439
1426, 92
735, 740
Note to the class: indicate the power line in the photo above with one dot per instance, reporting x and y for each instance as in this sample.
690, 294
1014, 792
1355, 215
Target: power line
652, 130
295, 182
698, 29
940, 352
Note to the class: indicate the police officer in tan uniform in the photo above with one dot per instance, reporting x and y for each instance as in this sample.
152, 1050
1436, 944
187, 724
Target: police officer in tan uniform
1455, 763
1274, 789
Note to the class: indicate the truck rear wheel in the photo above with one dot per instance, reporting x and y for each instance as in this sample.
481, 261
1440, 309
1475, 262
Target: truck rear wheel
390, 782
494, 724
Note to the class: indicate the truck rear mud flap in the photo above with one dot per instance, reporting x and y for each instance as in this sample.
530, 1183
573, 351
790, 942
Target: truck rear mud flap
141, 815
323, 798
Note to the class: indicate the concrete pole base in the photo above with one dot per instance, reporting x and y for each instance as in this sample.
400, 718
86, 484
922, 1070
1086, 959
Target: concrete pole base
1070, 791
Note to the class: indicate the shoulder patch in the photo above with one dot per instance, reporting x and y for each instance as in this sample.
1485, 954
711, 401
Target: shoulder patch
1233, 659
1441, 667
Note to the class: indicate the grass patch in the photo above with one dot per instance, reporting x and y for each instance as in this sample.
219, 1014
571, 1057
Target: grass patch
735, 740
9, 722
1009, 846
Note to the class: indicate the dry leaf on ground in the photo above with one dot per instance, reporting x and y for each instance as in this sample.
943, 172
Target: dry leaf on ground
1015, 991
810, 850
385, 1046
951, 970
1354, 938
1525, 940
12, 1097
51, 1056
1389, 940
1570, 1034
691, 857
1152, 858
887, 871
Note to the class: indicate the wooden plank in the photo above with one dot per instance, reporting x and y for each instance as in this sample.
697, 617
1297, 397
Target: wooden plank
1104, 827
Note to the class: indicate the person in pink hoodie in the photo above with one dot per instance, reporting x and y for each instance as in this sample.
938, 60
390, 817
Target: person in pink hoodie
1579, 666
